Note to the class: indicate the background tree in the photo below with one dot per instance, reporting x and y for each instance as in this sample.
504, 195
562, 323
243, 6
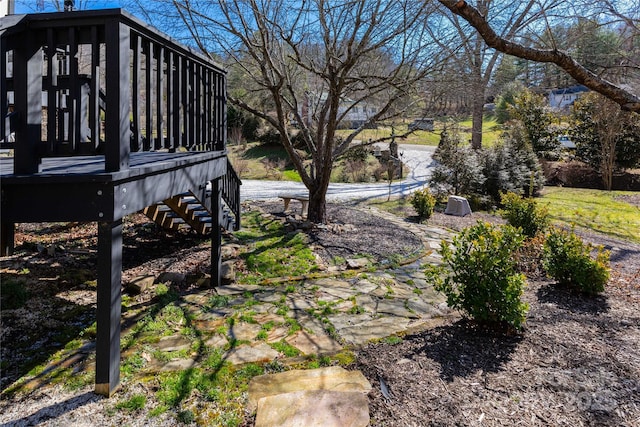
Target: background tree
533, 112
459, 170
476, 60
626, 98
606, 137
314, 61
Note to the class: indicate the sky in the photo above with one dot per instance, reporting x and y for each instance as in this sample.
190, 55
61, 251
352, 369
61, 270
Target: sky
30, 6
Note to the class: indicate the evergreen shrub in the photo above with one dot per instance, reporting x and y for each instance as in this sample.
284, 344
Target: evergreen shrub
567, 259
423, 202
524, 212
479, 275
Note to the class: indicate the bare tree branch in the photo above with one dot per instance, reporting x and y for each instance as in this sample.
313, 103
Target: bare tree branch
627, 100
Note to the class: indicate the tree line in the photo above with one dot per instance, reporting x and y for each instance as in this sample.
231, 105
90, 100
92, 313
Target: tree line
313, 62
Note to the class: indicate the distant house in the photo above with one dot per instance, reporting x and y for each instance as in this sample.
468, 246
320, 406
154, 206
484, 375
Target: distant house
355, 114
564, 98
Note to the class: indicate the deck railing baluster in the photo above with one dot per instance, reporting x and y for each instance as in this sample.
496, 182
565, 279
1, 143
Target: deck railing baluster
136, 143
168, 143
148, 109
177, 103
4, 94
73, 125
52, 89
94, 91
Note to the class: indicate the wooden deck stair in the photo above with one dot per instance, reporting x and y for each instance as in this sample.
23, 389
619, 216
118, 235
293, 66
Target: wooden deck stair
186, 210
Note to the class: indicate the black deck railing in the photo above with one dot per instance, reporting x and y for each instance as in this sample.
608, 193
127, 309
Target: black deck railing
102, 82
231, 193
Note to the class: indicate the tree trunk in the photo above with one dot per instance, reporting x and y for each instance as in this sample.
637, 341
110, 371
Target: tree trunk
476, 126
317, 212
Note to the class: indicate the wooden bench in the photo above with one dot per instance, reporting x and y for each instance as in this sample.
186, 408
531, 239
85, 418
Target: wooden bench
299, 197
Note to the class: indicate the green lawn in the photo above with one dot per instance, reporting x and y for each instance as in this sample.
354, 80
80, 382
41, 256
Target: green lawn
601, 211
490, 133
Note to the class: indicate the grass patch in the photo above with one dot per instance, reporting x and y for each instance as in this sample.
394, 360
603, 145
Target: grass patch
285, 348
217, 382
272, 251
398, 206
134, 403
596, 210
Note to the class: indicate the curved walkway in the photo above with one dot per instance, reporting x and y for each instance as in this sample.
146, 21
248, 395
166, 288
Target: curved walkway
314, 316
418, 158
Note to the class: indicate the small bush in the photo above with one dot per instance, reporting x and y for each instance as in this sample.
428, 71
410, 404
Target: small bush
423, 202
525, 214
481, 278
568, 259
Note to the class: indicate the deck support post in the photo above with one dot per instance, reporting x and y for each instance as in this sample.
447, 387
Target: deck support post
117, 132
108, 307
7, 238
27, 72
216, 233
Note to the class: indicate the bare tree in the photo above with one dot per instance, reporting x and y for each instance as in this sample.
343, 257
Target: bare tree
625, 98
318, 63
478, 61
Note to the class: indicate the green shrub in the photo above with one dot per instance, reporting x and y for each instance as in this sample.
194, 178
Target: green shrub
423, 202
480, 275
568, 259
524, 212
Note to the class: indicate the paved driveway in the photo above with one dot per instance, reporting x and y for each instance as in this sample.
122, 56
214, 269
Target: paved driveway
416, 157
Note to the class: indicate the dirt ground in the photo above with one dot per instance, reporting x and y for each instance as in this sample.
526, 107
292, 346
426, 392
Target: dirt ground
576, 363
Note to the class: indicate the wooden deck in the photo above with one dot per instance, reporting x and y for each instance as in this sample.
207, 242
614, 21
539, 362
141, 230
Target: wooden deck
106, 116
78, 188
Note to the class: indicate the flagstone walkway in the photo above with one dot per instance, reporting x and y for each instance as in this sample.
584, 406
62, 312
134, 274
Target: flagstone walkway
295, 321
312, 317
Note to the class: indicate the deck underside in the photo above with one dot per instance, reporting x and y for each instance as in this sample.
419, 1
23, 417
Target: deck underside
78, 189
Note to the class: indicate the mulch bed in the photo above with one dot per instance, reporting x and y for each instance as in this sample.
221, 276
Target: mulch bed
577, 362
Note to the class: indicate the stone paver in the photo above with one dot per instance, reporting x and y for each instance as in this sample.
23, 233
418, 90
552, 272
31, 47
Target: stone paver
244, 331
316, 408
310, 344
361, 332
396, 307
333, 378
173, 343
251, 354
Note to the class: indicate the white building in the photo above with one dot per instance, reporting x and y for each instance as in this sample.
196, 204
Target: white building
564, 98
355, 115
7, 7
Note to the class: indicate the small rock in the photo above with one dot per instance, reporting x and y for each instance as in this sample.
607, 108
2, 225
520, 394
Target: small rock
175, 278
355, 263
139, 284
228, 272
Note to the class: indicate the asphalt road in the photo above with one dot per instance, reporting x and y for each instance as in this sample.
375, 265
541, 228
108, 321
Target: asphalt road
416, 157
